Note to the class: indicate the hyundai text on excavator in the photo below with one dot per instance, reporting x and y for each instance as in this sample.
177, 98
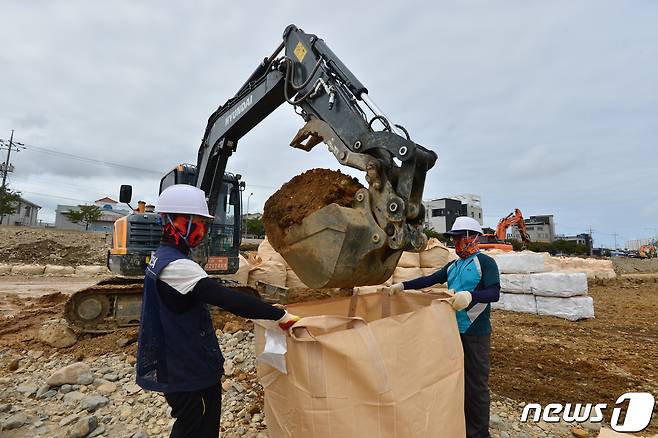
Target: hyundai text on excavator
497, 241
334, 246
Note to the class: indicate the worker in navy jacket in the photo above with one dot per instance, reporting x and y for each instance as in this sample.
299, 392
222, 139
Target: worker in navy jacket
475, 281
178, 353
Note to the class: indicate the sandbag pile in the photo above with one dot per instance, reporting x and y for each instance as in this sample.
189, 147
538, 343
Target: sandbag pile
593, 268
413, 265
526, 287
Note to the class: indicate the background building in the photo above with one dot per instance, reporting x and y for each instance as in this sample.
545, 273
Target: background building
580, 239
441, 213
540, 229
25, 214
637, 243
109, 213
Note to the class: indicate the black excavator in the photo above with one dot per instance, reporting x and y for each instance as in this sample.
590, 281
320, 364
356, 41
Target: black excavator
334, 247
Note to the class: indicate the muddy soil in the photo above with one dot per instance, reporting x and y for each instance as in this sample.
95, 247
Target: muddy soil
303, 195
57, 247
547, 359
627, 265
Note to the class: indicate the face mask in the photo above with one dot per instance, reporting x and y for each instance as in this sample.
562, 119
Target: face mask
466, 246
186, 230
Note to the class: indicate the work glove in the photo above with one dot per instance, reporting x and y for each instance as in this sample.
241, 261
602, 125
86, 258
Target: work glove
287, 321
460, 300
397, 287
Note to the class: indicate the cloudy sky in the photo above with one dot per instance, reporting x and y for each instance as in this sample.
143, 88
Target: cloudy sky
551, 107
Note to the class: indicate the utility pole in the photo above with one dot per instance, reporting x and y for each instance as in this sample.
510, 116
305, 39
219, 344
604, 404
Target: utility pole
6, 169
615, 234
591, 242
6, 166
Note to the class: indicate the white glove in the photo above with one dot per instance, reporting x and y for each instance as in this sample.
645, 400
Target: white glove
287, 321
397, 287
460, 300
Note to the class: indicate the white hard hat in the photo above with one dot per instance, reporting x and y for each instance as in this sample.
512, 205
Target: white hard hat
462, 225
183, 199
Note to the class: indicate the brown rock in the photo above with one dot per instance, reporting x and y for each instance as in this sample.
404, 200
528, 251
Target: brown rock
57, 333
578, 432
231, 327
14, 364
69, 374
107, 388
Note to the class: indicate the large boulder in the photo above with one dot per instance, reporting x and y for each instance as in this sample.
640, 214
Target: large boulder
75, 374
56, 333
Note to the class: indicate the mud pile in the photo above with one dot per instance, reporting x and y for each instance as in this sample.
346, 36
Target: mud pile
58, 247
303, 195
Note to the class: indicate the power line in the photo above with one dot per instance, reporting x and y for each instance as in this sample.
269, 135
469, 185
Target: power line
87, 159
48, 195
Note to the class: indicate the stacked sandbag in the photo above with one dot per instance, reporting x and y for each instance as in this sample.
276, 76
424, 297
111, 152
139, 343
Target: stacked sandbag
524, 262
593, 268
435, 255
293, 281
515, 283
524, 288
267, 253
558, 284
406, 274
269, 272
242, 274
572, 308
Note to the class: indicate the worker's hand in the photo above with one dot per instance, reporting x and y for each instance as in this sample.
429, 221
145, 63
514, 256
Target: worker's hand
397, 287
460, 300
287, 321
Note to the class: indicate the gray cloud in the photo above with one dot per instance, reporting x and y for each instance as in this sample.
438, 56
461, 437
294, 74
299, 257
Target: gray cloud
549, 107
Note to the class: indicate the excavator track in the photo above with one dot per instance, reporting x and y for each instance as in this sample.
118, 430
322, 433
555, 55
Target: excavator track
116, 303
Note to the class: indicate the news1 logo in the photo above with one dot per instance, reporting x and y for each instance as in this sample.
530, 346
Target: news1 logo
637, 418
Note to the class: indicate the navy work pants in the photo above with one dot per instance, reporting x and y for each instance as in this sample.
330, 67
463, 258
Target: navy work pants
197, 413
476, 385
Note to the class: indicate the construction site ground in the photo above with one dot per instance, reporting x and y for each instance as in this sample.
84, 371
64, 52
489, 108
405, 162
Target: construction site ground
534, 358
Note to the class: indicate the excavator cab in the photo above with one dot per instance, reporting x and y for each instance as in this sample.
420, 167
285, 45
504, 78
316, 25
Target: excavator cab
137, 235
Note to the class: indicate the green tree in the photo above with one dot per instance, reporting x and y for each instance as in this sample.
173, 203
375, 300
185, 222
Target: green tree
86, 215
8, 201
432, 233
254, 226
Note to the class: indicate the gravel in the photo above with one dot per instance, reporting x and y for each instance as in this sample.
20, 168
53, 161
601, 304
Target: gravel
91, 409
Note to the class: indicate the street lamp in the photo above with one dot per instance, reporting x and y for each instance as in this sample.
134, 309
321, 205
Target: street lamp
246, 216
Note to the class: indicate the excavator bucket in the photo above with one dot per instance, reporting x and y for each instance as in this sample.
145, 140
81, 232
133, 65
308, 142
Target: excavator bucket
338, 247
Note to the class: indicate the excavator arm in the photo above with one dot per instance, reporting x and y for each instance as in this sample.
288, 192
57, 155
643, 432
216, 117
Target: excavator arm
334, 247
514, 218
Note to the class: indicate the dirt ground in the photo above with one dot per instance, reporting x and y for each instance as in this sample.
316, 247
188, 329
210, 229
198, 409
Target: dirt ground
534, 358
546, 359
303, 195
49, 246
627, 265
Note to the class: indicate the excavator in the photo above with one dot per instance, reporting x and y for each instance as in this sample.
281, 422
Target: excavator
649, 251
334, 247
497, 241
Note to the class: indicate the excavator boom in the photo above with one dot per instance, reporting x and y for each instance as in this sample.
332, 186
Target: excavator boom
330, 248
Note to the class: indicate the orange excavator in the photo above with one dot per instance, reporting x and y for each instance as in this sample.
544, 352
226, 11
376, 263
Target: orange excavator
497, 241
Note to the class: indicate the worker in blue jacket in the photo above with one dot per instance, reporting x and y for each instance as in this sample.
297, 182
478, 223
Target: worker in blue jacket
475, 281
178, 353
